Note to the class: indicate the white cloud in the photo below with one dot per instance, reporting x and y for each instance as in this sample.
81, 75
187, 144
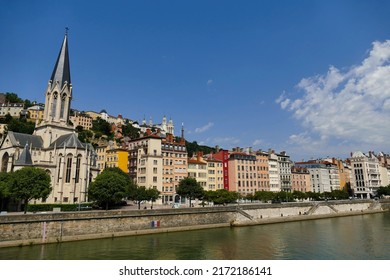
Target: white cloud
351, 105
210, 82
257, 142
204, 128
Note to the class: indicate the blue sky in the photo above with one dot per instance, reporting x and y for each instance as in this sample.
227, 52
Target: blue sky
308, 77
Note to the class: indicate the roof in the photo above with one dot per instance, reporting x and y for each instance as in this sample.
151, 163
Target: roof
61, 71
69, 141
25, 157
21, 139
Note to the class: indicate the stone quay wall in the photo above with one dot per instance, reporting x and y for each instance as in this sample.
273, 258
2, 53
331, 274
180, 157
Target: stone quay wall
40, 228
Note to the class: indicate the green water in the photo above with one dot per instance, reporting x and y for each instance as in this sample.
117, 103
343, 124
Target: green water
347, 238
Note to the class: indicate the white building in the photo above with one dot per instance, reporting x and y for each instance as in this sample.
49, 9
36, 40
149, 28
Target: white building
324, 175
54, 146
366, 177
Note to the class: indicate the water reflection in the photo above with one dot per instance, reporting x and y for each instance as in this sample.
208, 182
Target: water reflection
357, 237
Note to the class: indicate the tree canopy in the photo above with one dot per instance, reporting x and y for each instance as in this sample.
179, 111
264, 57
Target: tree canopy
109, 187
221, 196
190, 188
29, 183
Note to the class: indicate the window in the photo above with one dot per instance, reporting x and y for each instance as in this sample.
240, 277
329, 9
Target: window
68, 169
78, 161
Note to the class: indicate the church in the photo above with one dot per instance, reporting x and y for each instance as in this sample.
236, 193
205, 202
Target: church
54, 145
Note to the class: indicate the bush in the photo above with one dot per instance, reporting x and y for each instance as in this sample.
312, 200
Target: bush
64, 207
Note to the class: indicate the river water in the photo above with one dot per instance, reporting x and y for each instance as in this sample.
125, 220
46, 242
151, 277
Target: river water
362, 237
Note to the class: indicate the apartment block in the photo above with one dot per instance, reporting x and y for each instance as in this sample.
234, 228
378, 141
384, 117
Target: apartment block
300, 179
174, 164
117, 157
324, 175
262, 165
365, 174
242, 172
214, 174
145, 161
197, 169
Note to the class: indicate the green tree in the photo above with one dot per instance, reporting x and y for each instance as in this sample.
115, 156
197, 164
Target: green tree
12, 98
383, 191
299, 195
109, 188
190, 188
4, 193
223, 196
140, 194
264, 196
153, 194
29, 183
21, 126
28, 103
130, 131
102, 126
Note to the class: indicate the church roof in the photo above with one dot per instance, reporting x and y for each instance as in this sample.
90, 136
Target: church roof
25, 157
69, 141
61, 71
21, 139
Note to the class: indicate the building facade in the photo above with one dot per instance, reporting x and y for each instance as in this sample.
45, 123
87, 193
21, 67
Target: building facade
365, 174
54, 146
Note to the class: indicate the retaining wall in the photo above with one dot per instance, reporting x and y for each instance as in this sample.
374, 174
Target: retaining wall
17, 230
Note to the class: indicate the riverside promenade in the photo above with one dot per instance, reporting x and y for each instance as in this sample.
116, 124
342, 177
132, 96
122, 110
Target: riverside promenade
51, 227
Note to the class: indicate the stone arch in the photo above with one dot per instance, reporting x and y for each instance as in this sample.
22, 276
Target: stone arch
4, 162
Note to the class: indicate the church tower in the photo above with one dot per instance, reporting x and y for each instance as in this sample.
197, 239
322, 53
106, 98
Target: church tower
58, 96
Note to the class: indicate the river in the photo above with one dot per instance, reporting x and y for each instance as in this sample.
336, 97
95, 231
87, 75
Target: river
362, 237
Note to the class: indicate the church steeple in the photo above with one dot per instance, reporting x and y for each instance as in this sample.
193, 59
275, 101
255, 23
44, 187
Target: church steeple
58, 97
61, 71
59, 90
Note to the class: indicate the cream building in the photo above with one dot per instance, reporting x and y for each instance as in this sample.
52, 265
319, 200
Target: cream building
54, 146
14, 109
214, 174
145, 162
273, 169
366, 177
174, 167
197, 169
82, 120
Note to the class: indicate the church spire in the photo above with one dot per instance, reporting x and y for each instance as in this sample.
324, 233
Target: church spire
61, 71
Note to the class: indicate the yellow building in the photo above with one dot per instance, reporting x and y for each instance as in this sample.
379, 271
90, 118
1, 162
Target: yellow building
214, 174
117, 157
82, 120
36, 113
101, 157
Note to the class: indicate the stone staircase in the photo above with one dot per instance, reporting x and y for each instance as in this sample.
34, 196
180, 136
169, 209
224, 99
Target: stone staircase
245, 214
313, 209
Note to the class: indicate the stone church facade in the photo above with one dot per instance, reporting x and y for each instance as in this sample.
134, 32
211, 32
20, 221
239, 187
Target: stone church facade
54, 145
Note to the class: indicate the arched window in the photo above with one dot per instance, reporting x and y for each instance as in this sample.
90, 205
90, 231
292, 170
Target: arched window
59, 167
4, 162
78, 164
68, 168
63, 101
54, 105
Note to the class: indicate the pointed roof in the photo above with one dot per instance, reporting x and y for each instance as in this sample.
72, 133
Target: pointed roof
69, 141
61, 71
25, 157
22, 139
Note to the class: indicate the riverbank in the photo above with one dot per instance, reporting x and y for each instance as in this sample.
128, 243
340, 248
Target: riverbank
20, 230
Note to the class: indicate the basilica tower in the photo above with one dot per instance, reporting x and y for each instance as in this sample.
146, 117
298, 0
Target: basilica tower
58, 96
